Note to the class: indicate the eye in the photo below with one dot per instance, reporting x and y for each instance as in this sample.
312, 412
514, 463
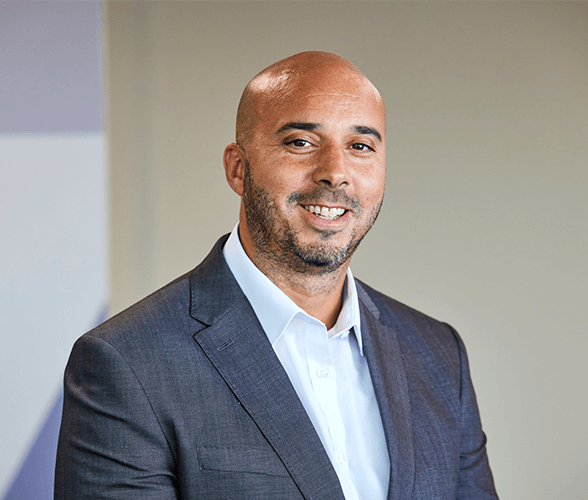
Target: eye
298, 143
360, 146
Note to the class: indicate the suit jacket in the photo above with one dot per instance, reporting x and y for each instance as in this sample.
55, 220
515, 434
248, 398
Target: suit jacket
182, 397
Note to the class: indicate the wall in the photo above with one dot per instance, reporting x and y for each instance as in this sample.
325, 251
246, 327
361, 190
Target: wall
484, 223
52, 224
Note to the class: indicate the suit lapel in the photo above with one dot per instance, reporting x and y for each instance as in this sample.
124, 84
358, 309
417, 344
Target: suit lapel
239, 349
390, 385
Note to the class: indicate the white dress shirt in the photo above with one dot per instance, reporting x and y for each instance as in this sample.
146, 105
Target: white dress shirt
329, 373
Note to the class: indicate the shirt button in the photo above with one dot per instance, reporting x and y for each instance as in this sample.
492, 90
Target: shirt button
342, 458
322, 372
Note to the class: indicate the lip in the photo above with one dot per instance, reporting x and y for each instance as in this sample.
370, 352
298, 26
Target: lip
324, 197
325, 211
321, 222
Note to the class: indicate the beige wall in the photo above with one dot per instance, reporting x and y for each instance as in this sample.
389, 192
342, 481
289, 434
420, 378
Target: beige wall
485, 219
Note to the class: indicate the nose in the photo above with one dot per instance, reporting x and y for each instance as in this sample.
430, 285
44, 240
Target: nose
331, 169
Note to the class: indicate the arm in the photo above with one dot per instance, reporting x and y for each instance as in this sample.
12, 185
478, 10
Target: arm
111, 445
475, 477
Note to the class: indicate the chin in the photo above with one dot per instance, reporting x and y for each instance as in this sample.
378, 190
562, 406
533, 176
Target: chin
322, 258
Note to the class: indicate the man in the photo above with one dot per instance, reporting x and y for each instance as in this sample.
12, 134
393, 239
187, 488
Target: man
268, 372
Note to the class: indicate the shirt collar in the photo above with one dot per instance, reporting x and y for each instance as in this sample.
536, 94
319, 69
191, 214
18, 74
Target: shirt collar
274, 309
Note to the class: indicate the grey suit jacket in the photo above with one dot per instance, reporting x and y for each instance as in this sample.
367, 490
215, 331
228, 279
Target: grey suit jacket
182, 397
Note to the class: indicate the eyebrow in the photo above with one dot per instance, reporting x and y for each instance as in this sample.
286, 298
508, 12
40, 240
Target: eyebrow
360, 129
309, 127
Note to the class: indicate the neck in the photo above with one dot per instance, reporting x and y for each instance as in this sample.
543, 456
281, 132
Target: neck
319, 294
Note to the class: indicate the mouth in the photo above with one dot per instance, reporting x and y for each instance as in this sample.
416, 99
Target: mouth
324, 212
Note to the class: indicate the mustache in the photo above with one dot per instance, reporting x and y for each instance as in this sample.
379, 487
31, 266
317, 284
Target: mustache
323, 195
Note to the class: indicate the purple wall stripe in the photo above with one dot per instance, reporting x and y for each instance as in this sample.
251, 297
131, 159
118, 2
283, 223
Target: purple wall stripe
51, 67
34, 480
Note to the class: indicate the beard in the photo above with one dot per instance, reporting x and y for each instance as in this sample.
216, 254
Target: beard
277, 241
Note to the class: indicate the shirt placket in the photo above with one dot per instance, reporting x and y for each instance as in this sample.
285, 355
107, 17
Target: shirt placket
323, 377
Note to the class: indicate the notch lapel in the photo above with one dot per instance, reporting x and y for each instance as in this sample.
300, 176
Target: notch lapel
391, 387
237, 346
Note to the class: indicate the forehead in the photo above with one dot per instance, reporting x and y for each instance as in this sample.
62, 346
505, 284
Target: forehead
322, 98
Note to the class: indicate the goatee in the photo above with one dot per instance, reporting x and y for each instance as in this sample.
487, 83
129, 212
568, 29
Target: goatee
278, 242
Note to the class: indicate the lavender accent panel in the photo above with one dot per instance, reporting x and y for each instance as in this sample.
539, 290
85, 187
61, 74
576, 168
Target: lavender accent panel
35, 477
51, 66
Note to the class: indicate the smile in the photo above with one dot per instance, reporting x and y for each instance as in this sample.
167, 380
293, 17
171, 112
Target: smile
324, 212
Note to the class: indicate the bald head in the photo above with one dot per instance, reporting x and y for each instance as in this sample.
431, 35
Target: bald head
309, 165
314, 70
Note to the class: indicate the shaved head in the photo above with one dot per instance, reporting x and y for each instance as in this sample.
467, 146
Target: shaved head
310, 167
309, 164
277, 82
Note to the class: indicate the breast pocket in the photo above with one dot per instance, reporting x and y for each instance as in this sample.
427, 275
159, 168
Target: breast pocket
227, 459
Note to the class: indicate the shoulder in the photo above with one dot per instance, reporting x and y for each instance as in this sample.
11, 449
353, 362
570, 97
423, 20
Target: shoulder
174, 310
149, 336
416, 331
391, 311
161, 327
163, 310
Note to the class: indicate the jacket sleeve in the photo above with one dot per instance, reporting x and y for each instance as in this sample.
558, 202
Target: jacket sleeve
475, 477
111, 445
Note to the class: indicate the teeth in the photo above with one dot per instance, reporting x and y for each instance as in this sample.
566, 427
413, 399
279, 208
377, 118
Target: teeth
325, 212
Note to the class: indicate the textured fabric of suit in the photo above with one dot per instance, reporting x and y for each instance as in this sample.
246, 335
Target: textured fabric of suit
182, 397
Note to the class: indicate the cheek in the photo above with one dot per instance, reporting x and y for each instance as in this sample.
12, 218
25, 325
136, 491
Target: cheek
284, 180
372, 187
379, 188
276, 171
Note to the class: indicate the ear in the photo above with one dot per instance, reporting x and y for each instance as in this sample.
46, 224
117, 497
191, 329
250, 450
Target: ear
234, 162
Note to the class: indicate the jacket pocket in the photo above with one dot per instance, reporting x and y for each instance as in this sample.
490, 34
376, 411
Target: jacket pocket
227, 459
